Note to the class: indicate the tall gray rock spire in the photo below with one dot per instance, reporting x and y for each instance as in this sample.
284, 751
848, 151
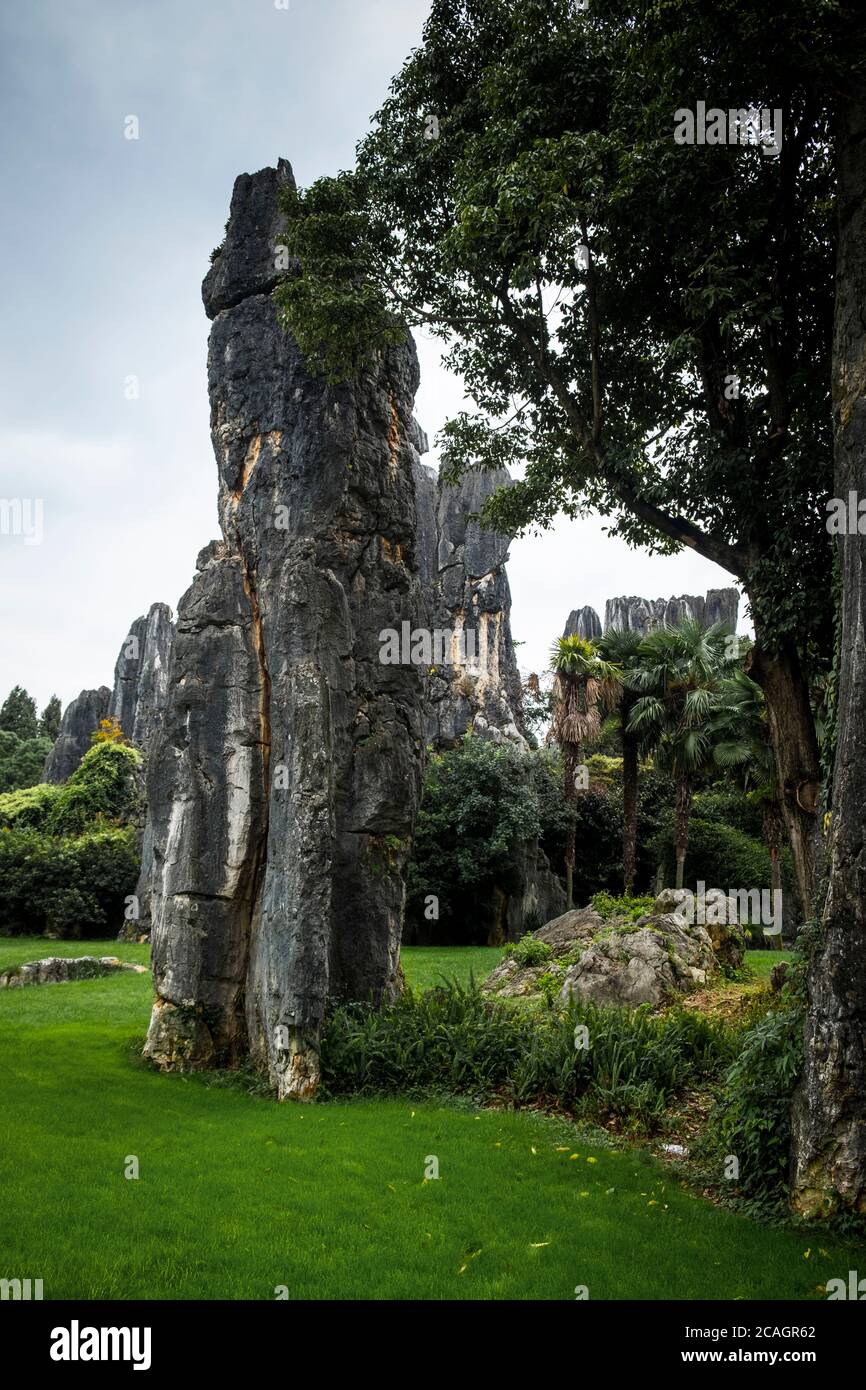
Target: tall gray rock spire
80, 719
141, 676
583, 622
466, 595
284, 784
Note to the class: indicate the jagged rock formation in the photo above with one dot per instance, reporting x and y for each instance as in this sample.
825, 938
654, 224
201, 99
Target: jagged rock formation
466, 593
141, 676
80, 719
138, 702
284, 783
642, 615
137, 699
583, 622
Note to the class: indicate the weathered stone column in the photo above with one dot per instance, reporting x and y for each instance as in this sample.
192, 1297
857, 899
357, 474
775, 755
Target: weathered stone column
284, 787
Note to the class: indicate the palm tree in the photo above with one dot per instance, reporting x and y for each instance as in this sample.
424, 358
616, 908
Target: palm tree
584, 688
740, 728
622, 647
676, 680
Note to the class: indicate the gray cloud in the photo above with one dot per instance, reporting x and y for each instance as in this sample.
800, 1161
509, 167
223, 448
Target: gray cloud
104, 242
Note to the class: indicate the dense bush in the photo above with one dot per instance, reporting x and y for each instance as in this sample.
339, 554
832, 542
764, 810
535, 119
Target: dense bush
67, 886
21, 759
457, 1040
481, 800
752, 1119
30, 808
105, 788
723, 857
729, 806
67, 859
106, 785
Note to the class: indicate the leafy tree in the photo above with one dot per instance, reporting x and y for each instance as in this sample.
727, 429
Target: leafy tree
21, 760
69, 886
678, 676
18, 714
49, 719
646, 325
623, 648
585, 686
741, 742
108, 731
481, 801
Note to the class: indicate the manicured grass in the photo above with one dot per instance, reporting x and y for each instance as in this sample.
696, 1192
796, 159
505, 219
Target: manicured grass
426, 966
237, 1195
423, 966
16, 950
762, 962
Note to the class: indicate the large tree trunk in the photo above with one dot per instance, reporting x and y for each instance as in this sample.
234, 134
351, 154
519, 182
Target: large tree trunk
681, 833
629, 811
779, 672
829, 1117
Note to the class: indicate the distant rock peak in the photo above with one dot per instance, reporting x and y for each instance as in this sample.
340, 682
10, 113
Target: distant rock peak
633, 614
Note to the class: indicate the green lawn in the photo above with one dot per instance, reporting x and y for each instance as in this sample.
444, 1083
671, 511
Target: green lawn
762, 962
426, 966
237, 1195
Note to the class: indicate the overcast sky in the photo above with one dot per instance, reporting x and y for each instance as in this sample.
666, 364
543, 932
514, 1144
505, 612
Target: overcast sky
104, 242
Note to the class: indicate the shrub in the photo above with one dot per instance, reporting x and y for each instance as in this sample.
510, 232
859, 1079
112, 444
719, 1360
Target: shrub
29, 808
752, 1120
73, 887
726, 805
456, 1040
481, 802
608, 905
105, 785
529, 950
723, 857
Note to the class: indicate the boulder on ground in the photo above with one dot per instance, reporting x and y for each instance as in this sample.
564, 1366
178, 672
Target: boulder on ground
647, 962
717, 911
651, 961
58, 970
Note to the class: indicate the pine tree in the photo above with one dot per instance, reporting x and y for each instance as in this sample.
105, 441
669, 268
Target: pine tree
49, 720
18, 714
